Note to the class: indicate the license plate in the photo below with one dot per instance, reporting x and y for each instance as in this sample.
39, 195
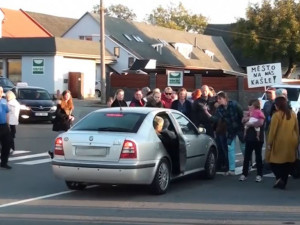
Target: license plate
90, 151
41, 114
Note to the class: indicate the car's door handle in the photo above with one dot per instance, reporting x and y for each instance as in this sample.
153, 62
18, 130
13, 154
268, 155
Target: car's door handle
188, 143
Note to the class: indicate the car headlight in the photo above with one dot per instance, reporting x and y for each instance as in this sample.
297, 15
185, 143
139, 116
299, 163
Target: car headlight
24, 107
53, 108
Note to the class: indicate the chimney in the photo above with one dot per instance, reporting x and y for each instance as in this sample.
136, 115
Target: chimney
195, 42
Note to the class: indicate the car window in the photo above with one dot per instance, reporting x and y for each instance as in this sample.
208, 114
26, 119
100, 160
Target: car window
186, 126
113, 122
293, 94
33, 94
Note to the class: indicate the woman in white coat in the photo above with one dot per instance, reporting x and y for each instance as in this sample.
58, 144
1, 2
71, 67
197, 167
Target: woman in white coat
13, 117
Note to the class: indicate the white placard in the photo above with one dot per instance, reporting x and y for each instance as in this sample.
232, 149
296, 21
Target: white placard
264, 75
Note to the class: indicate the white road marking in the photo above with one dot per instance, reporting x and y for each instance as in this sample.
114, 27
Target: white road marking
34, 162
28, 156
41, 197
35, 199
17, 152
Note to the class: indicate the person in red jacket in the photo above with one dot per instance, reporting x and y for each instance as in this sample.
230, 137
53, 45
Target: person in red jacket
166, 97
137, 100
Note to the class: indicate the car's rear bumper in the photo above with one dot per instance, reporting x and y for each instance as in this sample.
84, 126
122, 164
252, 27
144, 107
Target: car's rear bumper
104, 173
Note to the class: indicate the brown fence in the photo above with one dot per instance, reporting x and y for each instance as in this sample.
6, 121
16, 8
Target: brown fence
236, 87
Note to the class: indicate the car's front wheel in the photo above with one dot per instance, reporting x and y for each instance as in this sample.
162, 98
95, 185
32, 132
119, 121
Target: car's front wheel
75, 185
161, 180
210, 164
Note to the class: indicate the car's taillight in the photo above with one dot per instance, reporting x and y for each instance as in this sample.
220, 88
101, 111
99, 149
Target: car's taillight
129, 150
58, 148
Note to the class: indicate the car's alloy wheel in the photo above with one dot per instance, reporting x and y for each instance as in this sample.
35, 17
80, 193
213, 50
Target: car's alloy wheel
210, 165
161, 180
75, 185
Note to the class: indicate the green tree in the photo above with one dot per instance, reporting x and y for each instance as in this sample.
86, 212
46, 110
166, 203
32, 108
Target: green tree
271, 32
177, 17
118, 11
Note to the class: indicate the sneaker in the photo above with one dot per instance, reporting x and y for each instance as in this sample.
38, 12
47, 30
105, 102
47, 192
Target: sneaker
231, 172
258, 178
6, 167
242, 177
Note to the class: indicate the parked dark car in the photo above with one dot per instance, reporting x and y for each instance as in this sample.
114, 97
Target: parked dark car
6, 84
36, 104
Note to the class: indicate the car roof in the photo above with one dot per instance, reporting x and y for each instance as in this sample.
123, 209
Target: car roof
29, 87
285, 86
143, 110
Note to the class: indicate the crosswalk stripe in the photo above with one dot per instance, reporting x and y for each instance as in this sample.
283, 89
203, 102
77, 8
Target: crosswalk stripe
17, 152
34, 162
27, 156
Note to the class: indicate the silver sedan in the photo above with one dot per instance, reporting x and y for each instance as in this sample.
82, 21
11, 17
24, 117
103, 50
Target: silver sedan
120, 146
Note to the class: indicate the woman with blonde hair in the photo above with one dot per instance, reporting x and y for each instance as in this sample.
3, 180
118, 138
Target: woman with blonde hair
13, 117
119, 99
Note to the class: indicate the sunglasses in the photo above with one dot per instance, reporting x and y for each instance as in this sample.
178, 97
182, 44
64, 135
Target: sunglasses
168, 93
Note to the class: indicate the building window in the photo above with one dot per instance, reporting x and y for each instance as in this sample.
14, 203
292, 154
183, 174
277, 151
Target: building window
130, 61
87, 38
127, 37
14, 67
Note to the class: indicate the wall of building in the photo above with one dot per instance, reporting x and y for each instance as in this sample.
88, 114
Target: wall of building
45, 79
87, 67
87, 26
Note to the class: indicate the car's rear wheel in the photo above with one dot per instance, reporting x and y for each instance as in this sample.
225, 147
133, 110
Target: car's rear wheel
161, 180
75, 185
210, 164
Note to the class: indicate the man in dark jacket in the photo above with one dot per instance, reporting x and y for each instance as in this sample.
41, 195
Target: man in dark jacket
137, 100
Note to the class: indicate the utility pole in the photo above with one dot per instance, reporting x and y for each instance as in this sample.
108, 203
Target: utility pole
102, 56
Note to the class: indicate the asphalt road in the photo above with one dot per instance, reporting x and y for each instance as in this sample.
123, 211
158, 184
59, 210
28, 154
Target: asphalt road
30, 194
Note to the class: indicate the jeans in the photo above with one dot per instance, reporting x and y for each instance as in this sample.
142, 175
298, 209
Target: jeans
221, 141
231, 152
257, 147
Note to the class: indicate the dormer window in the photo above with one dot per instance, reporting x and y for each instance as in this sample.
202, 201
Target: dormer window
158, 47
209, 53
184, 49
127, 37
163, 42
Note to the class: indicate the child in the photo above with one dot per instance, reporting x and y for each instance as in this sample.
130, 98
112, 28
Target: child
256, 117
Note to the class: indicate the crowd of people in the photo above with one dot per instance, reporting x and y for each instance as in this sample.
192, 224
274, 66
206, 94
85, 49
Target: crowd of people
275, 125
224, 120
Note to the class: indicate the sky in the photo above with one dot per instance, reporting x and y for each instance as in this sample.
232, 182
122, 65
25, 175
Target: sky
217, 11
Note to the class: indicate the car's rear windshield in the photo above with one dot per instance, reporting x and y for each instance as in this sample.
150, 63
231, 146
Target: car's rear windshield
112, 122
33, 94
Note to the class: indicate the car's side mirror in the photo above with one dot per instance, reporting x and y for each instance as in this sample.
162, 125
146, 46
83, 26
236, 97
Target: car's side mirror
202, 130
54, 97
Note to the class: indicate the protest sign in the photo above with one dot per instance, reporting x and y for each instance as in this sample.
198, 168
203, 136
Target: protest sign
264, 75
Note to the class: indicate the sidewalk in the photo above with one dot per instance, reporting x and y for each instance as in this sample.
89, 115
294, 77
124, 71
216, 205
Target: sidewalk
89, 103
